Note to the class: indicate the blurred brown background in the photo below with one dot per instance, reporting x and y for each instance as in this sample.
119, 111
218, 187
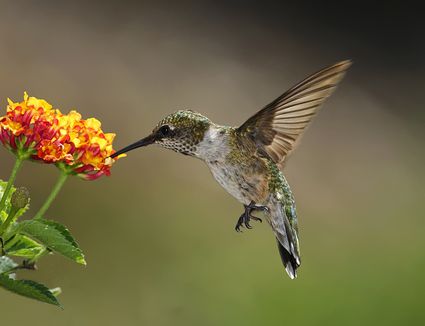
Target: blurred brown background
158, 234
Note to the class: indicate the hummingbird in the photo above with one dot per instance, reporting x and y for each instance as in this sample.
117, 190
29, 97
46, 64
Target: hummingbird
247, 161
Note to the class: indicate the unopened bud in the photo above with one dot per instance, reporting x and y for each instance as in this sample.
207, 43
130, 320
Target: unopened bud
20, 198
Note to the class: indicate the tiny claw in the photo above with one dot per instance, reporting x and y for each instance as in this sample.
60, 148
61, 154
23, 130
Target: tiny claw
261, 208
255, 218
246, 216
240, 222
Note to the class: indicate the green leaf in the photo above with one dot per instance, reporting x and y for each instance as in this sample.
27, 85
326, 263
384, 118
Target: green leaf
54, 236
62, 229
29, 289
68, 236
6, 264
3, 216
21, 211
56, 291
5, 212
23, 246
3, 185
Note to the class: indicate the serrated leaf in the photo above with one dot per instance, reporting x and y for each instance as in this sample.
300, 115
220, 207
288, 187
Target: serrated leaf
23, 246
52, 238
67, 234
62, 229
29, 289
6, 264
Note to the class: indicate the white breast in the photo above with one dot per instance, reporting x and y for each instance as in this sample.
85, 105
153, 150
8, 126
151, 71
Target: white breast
213, 149
214, 145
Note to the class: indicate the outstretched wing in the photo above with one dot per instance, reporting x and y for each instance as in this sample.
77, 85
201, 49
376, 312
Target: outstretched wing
278, 126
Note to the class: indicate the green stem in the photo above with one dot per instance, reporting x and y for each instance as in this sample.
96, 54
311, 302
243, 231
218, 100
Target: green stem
16, 167
5, 225
56, 188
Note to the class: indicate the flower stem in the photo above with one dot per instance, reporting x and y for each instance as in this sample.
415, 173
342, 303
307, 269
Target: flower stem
56, 188
9, 220
16, 167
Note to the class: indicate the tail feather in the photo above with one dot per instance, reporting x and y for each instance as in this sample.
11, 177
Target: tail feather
290, 262
283, 220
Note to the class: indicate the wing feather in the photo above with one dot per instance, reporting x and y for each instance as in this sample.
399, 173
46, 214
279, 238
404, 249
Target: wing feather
277, 128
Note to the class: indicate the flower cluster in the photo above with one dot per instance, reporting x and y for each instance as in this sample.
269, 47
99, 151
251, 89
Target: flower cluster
33, 128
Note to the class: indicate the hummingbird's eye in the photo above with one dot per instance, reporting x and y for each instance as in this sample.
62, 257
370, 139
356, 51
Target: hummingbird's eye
164, 130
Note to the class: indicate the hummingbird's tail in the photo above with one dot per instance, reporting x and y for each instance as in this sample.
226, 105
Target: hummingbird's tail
284, 224
289, 260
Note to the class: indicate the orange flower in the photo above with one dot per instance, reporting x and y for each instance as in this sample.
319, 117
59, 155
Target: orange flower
33, 128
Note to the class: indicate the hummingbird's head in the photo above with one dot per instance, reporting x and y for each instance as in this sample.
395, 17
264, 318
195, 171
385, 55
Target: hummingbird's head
181, 131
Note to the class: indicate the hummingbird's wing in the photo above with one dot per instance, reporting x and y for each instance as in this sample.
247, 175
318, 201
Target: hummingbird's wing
277, 127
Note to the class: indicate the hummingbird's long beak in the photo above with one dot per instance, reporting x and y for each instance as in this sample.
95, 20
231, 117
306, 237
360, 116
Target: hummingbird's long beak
142, 142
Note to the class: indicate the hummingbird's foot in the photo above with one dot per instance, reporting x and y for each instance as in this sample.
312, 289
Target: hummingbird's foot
241, 221
247, 216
